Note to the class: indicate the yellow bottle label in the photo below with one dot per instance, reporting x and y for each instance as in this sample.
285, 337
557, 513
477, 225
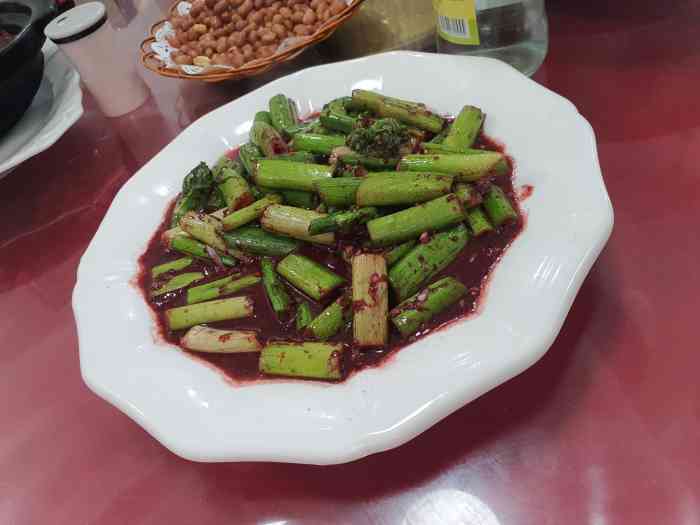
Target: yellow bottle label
456, 21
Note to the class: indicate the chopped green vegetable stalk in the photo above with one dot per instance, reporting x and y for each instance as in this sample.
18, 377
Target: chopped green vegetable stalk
267, 139
304, 316
335, 117
339, 192
370, 300
330, 321
298, 156
293, 222
179, 281
204, 339
408, 113
465, 168
478, 222
309, 359
397, 253
342, 220
319, 144
498, 206
299, 199
410, 315
263, 116
289, 175
224, 163
426, 260
171, 266
465, 128
353, 158
234, 189
383, 138
196, 188
250, 154
189, 246
209, 312
220, 288
249, 213
203, 228
275, 289
468, 196
412, 222
257, 241
284, 114
312, 278
439, 148
402, 188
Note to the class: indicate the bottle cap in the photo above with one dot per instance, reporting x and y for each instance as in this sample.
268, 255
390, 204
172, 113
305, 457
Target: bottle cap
76, 23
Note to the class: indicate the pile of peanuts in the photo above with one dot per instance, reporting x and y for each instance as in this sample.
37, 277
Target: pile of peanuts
233, 32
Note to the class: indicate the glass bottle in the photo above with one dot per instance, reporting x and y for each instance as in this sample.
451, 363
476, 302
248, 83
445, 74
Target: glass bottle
509, 30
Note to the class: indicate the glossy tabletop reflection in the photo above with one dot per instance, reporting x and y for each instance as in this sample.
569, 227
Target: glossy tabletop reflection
603, 430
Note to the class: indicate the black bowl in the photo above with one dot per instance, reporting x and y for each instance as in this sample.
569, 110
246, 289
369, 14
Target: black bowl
21, 60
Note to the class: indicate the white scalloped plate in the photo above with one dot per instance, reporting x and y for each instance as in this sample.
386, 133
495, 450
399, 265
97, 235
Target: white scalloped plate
56, 107
198, 415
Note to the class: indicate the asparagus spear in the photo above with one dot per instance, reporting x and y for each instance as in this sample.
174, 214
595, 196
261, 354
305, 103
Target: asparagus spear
304, 315
435, 147
234, 189
289, 175
373, 163
498, 206
249, 213
328, 322
190, 246
267, 139
426, 260
298, 156
410, 223
406, 112
256, 241
339, 192
410, 315
209, 312
204, 339
283, 113
263, 116
370, 300
465, 128
397, 253
478, 222
300, 199
220, 288
293, 222
468, 196
275, 289
465, 168
203, 228
179, 281
195, 191
334, 116
171, 266
312, 278
308, 359
320, 144
402, 188
342, 220
249, 154
224, 162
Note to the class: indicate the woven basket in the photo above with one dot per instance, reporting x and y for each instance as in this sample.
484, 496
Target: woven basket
255, 67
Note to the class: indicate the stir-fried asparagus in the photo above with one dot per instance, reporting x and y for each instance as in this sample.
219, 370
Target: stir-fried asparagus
249, 213
498, 207
283, 114
370, 300
330, 321
342, 220
205, 339
397, 188
256, 241
220, 288
196, 187
478, 222
208, 312
312, 278
275, 289
465, 168
171, 266
290, 175
294, 222
308, 359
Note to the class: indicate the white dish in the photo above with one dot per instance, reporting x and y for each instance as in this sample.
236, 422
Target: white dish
56, 107
197, 414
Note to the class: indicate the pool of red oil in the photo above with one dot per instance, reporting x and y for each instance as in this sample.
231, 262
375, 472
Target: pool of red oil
472, 267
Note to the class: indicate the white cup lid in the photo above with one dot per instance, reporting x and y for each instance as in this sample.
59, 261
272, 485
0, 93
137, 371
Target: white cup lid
75, 22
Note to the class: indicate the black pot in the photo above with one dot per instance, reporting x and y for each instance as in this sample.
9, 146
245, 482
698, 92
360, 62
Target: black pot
21, 60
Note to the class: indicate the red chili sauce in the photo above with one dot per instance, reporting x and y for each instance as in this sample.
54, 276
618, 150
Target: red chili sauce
472, 267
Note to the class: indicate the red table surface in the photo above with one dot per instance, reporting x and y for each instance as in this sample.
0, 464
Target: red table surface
603, 430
